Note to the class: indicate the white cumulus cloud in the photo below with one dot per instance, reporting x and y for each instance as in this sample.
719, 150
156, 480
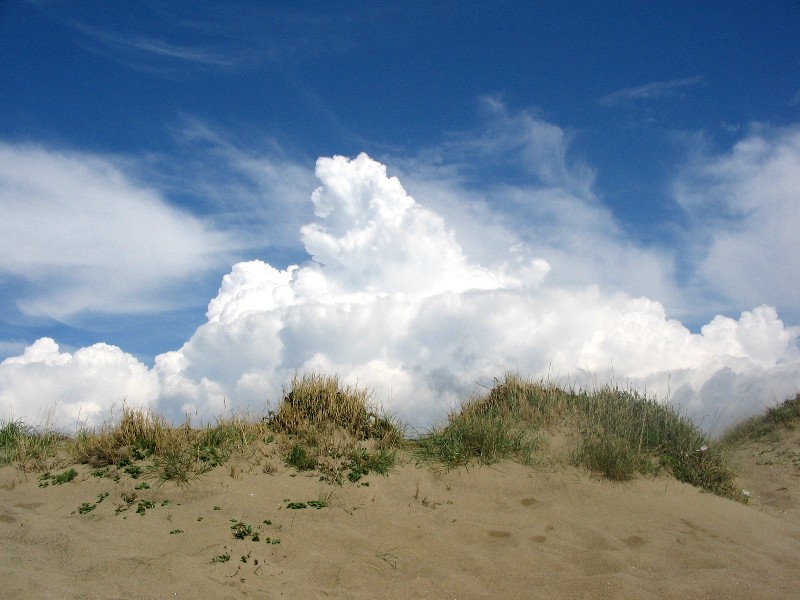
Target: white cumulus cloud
45, 385
745, 211
392, 300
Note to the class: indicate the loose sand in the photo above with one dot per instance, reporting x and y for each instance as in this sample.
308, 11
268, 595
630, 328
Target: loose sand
505, 531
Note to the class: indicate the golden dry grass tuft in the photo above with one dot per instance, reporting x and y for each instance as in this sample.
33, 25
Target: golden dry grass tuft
333, 428
317, 403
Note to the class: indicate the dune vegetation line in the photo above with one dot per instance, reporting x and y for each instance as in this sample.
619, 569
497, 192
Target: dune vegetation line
338, 432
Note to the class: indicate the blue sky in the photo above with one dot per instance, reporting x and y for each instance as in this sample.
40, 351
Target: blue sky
645, 150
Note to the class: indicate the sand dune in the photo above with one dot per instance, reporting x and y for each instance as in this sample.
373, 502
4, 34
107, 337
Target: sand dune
502, 531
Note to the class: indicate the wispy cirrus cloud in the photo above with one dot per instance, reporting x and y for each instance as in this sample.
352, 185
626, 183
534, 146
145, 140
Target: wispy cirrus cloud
81, 235
139, 50
545, 200
650, 91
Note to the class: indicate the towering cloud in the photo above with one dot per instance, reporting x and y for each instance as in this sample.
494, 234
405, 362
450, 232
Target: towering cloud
392, 301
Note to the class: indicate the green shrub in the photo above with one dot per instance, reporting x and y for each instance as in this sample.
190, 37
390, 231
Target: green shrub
301, 458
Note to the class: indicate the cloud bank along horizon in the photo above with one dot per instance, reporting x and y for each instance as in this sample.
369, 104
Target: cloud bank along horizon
392, 302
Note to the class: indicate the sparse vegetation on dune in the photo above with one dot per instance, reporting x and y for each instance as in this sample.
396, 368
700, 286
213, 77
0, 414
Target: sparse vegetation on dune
765, 427
175, 453
618, 433
334, 428
28, 446
337, 431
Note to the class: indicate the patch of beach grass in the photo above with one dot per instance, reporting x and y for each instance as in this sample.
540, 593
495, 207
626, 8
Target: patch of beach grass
625, 434
766, 427
470, 436
338, 430
326, 422
363, 462
137, 435
318, 403
30, 447
620, 433
503, 424
177, 454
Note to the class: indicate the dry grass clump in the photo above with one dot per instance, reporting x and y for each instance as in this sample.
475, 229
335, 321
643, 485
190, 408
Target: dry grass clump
138, 434
175, 453
621, 433
316, 404
765, 427
333, 428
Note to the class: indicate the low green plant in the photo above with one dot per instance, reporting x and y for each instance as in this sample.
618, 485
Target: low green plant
221, 558
46, 478
363, 462
65, 477
144, 505
134, 471
86, 507
301, 458
241, 530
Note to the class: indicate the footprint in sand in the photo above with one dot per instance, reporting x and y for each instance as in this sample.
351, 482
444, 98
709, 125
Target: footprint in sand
528, 502
28, 505
499, 534
539, 539
634, 541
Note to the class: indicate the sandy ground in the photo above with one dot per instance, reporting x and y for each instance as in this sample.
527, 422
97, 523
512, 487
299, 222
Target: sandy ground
505, 531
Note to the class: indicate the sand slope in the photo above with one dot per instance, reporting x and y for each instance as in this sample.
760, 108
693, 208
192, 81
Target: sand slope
505, 531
